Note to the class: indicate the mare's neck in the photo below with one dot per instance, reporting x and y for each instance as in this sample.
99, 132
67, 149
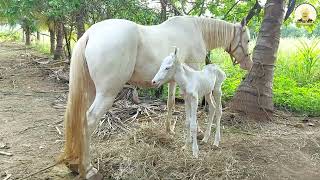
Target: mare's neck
216, 33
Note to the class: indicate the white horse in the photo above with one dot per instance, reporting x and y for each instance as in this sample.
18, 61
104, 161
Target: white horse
194, 84
115, 51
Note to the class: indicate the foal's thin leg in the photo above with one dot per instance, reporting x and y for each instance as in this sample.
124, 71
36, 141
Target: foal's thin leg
187, 123
170, 105
212, 109
217, 93
193, 126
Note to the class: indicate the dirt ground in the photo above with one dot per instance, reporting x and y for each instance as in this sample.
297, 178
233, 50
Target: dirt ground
31, 129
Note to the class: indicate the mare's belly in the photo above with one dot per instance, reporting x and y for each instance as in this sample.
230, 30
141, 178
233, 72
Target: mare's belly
142, 76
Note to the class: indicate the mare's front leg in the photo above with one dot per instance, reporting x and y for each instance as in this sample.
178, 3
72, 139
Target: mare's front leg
212, 109
193, 125
170, 106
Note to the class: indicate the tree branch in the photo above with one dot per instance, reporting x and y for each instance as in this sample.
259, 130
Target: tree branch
253, 11
224, 17
201, 9
175, 8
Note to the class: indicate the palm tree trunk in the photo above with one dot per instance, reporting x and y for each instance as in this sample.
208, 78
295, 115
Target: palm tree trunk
254, 95
59, 48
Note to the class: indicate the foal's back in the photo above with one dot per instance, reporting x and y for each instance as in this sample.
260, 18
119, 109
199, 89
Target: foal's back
215, 72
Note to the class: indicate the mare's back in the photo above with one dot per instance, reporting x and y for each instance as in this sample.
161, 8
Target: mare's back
110, 35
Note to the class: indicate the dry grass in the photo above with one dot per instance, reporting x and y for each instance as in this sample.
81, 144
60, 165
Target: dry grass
249, 150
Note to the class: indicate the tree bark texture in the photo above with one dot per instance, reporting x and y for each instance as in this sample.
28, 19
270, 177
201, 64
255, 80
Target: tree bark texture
28, 33
163, 13
80, 23
59, 47
67, 37
38, 36
52, 39
163, 18
254, 95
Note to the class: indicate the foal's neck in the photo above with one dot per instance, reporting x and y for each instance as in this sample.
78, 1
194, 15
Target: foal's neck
181, 75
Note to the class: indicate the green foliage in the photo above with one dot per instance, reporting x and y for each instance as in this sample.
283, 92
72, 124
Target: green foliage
296, 79
43, 48
9, 36
289, 95
304, 64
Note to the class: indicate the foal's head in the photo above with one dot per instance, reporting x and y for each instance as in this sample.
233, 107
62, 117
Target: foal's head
239, 47
167, 69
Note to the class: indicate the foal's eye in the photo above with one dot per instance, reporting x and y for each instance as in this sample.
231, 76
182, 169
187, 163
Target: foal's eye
167, 68
248, 41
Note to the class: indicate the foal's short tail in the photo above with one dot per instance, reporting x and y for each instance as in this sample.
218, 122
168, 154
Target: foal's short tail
75, 115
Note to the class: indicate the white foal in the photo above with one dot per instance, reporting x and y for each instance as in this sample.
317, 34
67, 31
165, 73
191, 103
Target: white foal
194, 84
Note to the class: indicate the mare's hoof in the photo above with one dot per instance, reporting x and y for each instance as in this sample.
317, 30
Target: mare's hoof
74, 167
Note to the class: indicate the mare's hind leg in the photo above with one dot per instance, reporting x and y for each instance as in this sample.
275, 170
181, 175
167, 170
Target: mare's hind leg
102, 102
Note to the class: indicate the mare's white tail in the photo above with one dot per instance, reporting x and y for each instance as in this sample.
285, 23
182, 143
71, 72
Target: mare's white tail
78, 102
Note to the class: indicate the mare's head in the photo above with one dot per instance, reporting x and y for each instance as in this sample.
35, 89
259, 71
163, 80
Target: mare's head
167, 69
239, 47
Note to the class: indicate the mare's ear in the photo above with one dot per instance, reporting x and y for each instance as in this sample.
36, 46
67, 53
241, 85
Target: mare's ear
175, 51
243, 24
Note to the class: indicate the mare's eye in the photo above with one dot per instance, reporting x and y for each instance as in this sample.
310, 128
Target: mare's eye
248, 41
167, 68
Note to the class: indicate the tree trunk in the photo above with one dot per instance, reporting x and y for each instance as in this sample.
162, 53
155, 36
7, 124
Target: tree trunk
27, 31
80, 23
52, 39
254, 95
163, 17
163, 13
59, 47
38, 36
67, 37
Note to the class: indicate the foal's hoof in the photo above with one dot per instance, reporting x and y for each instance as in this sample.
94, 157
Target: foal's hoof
196, 155
203, 141
96, 176
183, 148
200, 135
